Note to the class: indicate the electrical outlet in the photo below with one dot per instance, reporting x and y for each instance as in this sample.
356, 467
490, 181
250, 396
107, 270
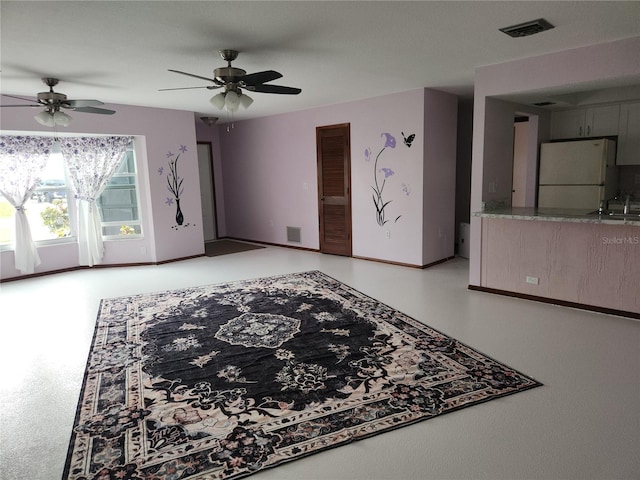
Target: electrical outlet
387, 234
533, 280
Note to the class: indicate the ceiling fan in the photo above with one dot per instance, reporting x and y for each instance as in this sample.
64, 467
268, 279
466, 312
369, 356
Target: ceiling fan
233, 80
54, 101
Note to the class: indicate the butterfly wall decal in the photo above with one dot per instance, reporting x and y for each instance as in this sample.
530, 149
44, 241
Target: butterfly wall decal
408, 140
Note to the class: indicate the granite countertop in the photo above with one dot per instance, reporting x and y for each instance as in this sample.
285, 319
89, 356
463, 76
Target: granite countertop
559, 215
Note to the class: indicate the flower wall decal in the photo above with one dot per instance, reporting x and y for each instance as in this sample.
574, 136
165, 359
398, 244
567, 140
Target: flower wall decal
387, 172
378, 187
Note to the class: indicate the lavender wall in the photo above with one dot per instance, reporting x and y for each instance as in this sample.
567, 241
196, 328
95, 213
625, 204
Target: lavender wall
270, 174
586, 65
266, 178
439, 176
158, 132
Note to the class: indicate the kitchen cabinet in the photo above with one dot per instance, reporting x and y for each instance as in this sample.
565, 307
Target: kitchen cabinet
629, 135
586, 122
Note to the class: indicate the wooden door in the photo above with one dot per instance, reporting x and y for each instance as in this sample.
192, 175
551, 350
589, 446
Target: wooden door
334, 188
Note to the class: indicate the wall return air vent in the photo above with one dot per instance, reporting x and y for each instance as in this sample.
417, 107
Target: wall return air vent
293, 234
527, 28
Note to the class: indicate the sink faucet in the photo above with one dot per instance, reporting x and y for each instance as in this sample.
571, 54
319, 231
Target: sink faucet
626, 204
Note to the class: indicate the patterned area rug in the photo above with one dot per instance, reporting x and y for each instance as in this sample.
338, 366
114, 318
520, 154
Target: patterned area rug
222, 381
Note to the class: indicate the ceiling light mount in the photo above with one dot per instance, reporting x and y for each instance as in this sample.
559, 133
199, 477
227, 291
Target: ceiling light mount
527, 28
209, 120
228, 55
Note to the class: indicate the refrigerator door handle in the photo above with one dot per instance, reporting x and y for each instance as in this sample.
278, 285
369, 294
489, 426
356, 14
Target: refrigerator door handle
580, 131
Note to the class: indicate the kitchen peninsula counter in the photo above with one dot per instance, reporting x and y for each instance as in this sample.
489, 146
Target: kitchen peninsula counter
558, 215
562, 256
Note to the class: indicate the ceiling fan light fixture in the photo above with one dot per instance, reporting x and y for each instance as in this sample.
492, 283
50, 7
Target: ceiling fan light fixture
245, 101
218, 101
45, 118
61, 118
232, 101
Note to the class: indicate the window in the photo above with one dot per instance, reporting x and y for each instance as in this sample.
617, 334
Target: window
118, 202
51, 214
7, 223
48, 208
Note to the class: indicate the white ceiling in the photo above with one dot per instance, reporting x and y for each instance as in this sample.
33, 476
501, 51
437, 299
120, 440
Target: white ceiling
336, 51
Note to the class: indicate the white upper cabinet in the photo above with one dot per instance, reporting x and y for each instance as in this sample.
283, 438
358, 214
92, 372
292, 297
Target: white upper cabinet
586, 122
629, 135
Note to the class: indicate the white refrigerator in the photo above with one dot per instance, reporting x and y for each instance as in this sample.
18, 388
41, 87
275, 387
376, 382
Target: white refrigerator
577, 174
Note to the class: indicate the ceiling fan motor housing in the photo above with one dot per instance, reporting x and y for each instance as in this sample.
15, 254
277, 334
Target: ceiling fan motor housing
52, 97
229, 74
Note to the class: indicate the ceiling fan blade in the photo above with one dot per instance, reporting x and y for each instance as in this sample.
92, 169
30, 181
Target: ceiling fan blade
101, 111
195, 76
210, 87
263, 88
31, 105
261, 77
20, 98
83, 103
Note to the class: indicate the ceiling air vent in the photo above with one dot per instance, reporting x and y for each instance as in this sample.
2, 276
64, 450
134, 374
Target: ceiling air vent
544, 104
527, 28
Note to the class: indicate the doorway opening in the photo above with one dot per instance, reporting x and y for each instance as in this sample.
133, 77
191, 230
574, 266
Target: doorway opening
525, 160
207, 192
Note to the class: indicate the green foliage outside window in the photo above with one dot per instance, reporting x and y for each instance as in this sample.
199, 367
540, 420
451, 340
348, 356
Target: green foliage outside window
6, 221
56, 218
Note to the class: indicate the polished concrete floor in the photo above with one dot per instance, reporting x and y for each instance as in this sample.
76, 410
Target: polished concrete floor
584, 423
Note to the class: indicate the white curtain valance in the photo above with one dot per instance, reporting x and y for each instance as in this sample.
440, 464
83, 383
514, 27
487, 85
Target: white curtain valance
22, 160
